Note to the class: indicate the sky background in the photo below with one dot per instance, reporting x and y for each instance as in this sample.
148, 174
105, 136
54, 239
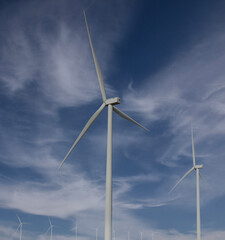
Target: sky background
166, 61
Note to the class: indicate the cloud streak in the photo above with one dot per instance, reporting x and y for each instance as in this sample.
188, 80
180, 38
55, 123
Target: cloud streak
47, 72
189, 90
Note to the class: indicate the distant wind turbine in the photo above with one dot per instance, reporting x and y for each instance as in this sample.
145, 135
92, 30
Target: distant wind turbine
195, 167
141, 233
50, 228
114, 234
110, 103
152, 235
96, 233
20, 227
76, 230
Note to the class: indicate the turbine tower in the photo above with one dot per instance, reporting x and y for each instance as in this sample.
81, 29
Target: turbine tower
196, 168
110, 103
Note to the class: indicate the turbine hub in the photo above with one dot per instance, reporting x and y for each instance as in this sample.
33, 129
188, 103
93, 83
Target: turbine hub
198, 166
112, 101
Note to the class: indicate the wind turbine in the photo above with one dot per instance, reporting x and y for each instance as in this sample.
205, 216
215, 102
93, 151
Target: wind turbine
114, 234
50, 228
141, 233
128, 234
96, 233
76, 230
20, 227
196, 168
110, 103
152, 235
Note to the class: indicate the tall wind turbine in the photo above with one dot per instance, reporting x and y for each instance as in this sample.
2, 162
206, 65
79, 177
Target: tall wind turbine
196, 168
110, 103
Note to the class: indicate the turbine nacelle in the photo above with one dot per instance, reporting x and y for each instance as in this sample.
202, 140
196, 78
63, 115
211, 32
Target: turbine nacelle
198, 166
112, 101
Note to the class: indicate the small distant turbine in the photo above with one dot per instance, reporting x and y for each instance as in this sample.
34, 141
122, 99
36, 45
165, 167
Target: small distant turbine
128, 235
141, 234
196, 168
110, 103
152, 235
96, 233
50, 228
76, 230
114, 234
20, 227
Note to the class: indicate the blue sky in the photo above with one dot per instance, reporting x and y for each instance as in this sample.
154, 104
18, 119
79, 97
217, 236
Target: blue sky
165, 60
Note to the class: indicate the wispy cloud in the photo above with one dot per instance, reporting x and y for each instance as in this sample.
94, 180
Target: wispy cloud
53, 53
47, 67
189, 90
56, 64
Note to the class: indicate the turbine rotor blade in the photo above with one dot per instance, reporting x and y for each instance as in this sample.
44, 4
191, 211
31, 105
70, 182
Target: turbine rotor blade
49, 221
193, 147
123, 115
48, 230
19, 219
185, 175
98, 71
18, 227
88, 124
